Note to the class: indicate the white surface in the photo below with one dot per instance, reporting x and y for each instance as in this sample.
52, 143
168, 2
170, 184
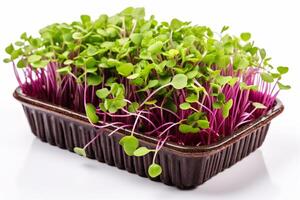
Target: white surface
32, 170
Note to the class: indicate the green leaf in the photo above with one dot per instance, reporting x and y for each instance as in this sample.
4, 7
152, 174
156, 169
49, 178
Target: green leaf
139, 13
40, 64
172, 53
222, 80
217, 105
225, 28
176, 24
171, 63
127, 11
223, 61
221, 97
179, 81
209, 58
244, 86
101, 22
283, 87
138, 81
80, 151
102, 93
125, 69
240, 62
22, 63
266, 77
112, 62
194, 117
129, 144
152, 83
136, 38
189, 40
90, 111
116, 89
141, 151
192, 98
215, 88
77, 36
90, 62
104, 106
258, 105
151, 102
203, 124
68, 62
24, 36
108, 45
155, 48
276, 75
34, 58
245, 36
9, 49
192, 74
133, 107
64, 70
226, 108
113, 105
282, 69
165, 80
35, 42
94, 80
185, 106
154, 170
133, 76
233, 81
6, 60
262, 53
91, 50
185, 128
85, 19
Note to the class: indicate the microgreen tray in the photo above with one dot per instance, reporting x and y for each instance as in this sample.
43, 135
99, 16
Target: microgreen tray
183, 166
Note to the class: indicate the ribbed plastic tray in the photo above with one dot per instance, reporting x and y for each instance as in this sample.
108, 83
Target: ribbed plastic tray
183, 166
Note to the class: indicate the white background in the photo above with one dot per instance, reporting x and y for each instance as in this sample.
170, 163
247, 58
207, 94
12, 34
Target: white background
30, 169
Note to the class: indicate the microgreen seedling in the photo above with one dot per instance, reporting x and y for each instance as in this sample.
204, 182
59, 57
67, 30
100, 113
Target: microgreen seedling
80, 151
154, 170
130, 144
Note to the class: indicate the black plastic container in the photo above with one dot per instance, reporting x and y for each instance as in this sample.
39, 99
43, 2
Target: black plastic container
183, 166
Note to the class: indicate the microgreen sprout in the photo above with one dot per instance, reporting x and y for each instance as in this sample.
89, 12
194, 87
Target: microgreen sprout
80, 151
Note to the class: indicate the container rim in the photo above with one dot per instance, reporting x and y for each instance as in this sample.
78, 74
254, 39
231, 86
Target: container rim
241, 132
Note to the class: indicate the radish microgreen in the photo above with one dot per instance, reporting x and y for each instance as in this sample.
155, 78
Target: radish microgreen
167, 80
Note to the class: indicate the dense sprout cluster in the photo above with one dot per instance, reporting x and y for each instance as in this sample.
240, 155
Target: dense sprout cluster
176, 81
